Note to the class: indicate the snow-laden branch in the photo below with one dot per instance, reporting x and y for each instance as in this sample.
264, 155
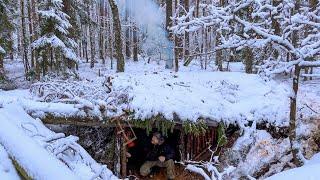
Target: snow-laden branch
208, 171
251, 23
77, 99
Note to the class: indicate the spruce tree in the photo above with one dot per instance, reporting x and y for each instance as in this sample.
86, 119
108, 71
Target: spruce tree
5, 30
55, 45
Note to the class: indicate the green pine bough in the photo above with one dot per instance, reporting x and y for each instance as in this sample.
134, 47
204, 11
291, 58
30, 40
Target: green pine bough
197, 128
163, 126
222, 138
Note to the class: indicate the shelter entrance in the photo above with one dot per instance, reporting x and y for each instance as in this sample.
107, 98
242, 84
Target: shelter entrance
139, 148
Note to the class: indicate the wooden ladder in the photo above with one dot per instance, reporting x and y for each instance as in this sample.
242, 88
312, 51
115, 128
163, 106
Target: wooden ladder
120, 122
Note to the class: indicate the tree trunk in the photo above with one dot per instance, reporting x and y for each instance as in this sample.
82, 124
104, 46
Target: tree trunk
117, 36
275, 25
102, 32
91, 38
197, 8
1, 67
24, 38
92, 46
35, 26
176, 54
128, 31
177, 42
135, 44
248, 57
109, 35
11, 53
169, 8
186, 37
293, 111
31, 31
168, 17
218, 54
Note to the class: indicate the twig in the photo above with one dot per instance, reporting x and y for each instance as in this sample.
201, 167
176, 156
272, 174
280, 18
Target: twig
311, 109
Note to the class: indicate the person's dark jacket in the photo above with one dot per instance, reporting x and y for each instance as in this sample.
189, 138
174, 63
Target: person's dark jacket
160, 150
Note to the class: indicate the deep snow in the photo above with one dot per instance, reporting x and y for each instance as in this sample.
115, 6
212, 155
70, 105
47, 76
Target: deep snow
310, 171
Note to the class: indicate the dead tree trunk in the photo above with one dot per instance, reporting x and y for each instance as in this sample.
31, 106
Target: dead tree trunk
117, 36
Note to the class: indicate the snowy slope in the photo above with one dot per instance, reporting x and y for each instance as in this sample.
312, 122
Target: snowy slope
310, 171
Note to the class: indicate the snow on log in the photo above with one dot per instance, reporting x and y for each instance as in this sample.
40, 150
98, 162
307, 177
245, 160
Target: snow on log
7, 170
34, 145
30, 156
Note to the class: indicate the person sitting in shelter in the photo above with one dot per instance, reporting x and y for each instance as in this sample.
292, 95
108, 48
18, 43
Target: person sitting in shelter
161, 155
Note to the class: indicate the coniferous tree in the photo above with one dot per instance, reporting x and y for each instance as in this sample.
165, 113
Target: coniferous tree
55, 38
5, 30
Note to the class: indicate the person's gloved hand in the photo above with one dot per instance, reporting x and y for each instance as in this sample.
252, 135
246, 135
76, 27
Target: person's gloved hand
162, 158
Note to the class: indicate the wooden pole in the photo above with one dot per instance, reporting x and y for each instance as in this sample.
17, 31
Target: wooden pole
123, 158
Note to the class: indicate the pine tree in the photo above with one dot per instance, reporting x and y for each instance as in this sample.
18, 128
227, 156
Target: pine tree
55, 38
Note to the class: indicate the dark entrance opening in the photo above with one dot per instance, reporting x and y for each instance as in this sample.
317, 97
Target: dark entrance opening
142, 145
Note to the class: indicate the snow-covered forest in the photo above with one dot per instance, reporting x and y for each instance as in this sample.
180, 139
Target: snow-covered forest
233, 86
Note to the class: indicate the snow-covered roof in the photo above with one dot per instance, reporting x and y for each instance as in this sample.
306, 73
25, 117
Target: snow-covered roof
232, 97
